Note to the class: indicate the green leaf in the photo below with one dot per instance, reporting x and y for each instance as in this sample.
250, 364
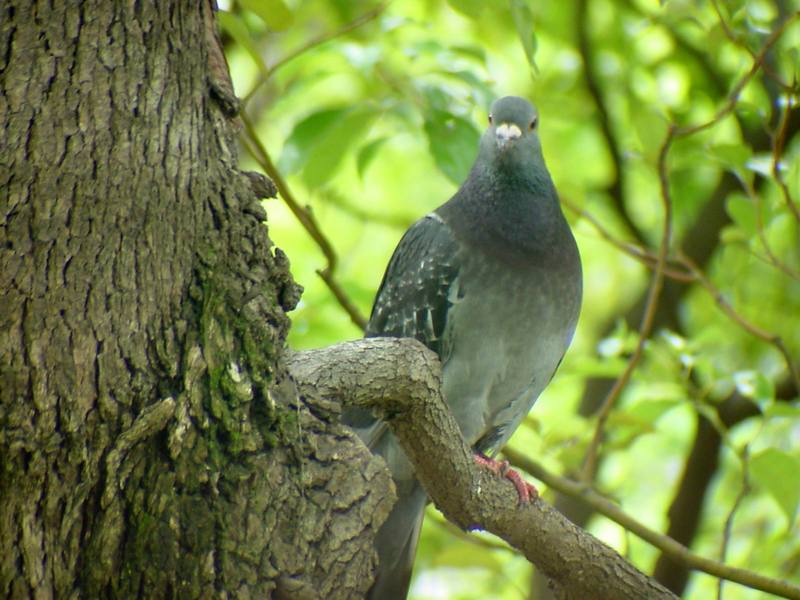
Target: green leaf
437, 99
650, 411
621, 341
367, 153
480, 89
462, 555
760, 14
733, 157
305, 135
733, 235
470, 8
332, 148
781, 410
793, 60
237, 29
453, 142
471, 51
755, 385
274, 13
523, 22
764, 390
778, 472
593, 367
743, 213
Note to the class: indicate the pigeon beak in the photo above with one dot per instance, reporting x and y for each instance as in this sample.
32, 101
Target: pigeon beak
506, 133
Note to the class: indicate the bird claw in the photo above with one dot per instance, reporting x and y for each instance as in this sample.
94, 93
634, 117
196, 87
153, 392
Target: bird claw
526, 491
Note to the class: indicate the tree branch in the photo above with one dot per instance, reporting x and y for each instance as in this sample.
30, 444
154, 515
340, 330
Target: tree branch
751, 328
259, 152
645, 256
315, 41
676, 551
778, 143
400, 379
656, 285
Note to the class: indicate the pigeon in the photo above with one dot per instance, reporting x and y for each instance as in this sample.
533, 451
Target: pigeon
491, 281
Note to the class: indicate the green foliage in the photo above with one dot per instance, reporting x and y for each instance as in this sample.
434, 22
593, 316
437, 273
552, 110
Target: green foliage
376, 114
772, 469
453, 142
275, 14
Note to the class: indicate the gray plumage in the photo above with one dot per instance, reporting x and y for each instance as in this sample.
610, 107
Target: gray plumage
491, 281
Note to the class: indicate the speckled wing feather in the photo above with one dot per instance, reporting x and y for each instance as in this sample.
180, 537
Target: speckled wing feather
418, 288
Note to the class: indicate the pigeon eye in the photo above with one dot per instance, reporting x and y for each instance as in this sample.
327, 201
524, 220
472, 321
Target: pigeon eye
490, 118
534, 123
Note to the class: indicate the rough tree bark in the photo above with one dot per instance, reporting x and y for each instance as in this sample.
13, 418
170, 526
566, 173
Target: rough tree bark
149, 444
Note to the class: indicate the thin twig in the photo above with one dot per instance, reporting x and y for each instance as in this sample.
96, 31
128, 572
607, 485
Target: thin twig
675, 271
733, 97
726, 532
762, 237
590, 462
769, 261
314, 42
778, 142
341, 296
259, 152
684, 42
657, 283
676, 551
729, 32
741, 43
752, 329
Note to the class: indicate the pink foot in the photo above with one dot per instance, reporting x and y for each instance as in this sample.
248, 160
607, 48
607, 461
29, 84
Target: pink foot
526, 491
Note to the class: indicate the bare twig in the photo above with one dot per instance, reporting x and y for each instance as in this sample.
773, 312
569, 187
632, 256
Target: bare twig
726, 532
306, 219
741, 43
590, 463
751, 328
678, 552
315, 42
762, 237
342, 298
733, 97
688, 272
778, 142
728, 31
674, 271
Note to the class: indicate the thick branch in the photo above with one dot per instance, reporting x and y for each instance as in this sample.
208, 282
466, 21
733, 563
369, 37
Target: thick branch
400, 379
669, 546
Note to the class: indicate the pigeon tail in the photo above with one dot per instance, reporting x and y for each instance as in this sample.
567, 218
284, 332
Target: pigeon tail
396, 544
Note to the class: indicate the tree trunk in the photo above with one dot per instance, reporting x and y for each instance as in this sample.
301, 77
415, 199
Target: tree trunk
150, 442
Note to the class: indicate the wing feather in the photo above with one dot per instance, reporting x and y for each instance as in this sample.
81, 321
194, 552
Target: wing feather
416, 292
418, 289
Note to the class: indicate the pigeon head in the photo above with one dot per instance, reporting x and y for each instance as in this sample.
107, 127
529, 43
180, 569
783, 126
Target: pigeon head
512, 137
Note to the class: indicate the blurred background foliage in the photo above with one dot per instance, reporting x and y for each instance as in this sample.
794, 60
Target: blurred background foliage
368, 114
